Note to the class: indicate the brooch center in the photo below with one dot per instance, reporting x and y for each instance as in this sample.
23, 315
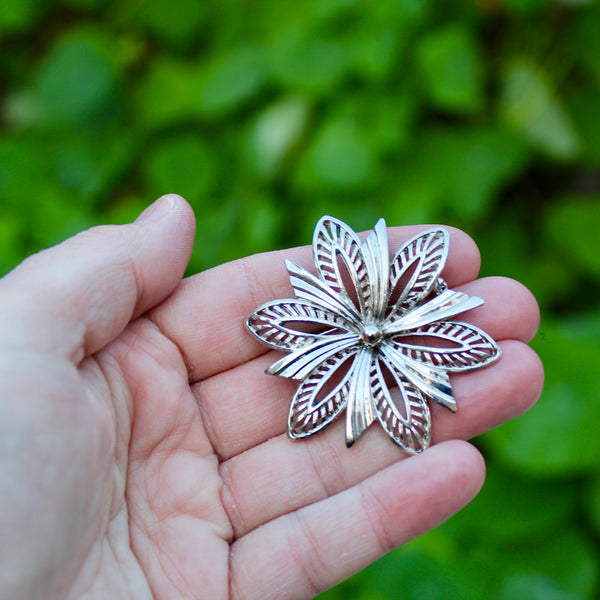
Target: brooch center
372, 335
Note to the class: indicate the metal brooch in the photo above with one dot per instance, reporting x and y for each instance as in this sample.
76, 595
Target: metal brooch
372, 335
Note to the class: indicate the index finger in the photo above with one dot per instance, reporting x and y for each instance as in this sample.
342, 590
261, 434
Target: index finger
205, 315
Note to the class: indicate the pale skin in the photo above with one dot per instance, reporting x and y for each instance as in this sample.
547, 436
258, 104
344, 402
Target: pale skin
143, 451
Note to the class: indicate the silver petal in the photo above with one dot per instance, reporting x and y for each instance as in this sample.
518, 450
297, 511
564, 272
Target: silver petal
377, 261
359, 411
444, 306
466, 346
279, 323
421, 259
433, 383
313, 406
406, 420
301, 363
335, 242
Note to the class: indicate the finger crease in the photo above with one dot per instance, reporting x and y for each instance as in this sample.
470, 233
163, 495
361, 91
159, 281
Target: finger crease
377, 517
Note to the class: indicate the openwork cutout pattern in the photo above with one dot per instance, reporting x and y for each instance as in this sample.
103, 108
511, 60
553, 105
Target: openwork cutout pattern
371, 335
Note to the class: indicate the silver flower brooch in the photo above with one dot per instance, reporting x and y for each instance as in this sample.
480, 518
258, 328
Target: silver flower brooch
370, 335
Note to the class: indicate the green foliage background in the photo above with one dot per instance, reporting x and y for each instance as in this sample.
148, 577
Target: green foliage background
267, 114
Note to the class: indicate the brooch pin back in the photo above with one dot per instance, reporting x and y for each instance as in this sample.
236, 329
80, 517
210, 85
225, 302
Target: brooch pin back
371, 335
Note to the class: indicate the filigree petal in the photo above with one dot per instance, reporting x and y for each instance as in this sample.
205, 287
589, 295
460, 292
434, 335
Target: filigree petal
313, 408
439, 308
359, 412
301, 363
332, 241
432, 382
308, 287
423, 257
277, 323
449, 345
377, 261
409, 425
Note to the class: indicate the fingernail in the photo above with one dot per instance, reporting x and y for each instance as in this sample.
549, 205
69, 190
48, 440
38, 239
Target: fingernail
157, 210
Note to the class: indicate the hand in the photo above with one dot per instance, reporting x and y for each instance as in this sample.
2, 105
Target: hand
143, 449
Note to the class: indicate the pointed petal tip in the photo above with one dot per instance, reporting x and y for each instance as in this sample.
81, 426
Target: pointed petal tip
274, 368
324, 219
440, 232
497, 355
350, 442
476, 301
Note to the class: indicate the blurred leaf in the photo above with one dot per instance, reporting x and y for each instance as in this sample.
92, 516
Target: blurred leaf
76, 80
24, 168
126, 209
11, 232
534, 587
85, 4
277, 130
587, 25
312, 66
339, 156
168, 92
530, 105
174, 90
232, 78
526, 7
592, 502
375, 50
184, 165
559, 435
451, 68
17, 15
515, 249
89, 165
511, 508
386, 120
464, 167
584, 107
572, 225
54, 217
564, 557
177, 24
410, 574
260, 221
215, 236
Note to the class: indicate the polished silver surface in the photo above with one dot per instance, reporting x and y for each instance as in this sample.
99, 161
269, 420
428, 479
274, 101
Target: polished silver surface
372, 335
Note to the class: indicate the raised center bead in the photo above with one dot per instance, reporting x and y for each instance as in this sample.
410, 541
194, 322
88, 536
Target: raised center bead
371, 335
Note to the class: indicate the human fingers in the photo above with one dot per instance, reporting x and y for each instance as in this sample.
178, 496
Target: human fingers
303, 553
510, 310
205, 317
281, 475
245, 407
79, 295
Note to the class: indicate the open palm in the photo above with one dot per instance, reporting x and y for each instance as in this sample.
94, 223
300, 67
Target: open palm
144, 449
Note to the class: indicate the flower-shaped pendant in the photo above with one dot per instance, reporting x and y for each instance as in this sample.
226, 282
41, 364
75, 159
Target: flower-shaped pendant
371, 335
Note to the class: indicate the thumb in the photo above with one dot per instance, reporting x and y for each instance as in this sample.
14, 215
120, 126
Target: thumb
76, 297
